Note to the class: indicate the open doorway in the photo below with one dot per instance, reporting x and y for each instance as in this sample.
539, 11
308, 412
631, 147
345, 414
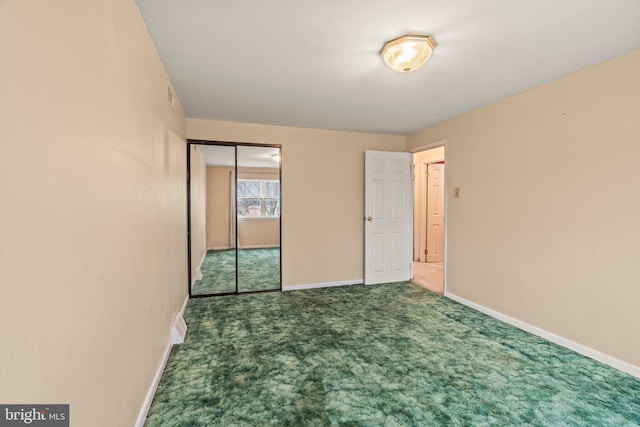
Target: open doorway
429, 203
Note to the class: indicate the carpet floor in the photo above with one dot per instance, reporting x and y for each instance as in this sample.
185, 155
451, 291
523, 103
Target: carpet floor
386, 355
258, 270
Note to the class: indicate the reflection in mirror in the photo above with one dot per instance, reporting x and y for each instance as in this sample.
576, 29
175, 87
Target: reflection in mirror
213, 227
258, 216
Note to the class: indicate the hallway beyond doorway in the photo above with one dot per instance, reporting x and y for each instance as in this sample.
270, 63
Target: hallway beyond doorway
429, 275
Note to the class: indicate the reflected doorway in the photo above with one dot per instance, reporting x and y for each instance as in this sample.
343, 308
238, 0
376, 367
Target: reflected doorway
234, 210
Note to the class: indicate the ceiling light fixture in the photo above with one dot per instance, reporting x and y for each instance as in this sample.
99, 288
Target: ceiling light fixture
408, 53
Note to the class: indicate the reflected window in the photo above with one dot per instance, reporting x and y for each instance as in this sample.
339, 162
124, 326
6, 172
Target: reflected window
258, 198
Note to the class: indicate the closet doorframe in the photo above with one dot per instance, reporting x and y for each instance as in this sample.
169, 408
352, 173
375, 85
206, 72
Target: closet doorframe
235, 145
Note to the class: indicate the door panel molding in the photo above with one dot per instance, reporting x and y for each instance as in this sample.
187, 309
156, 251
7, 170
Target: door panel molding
388, 217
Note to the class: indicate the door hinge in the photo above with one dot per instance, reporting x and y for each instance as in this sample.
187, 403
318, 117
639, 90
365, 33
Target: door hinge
426, 252
426, 175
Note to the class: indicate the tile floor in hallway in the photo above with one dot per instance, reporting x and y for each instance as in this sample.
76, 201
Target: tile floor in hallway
429, 275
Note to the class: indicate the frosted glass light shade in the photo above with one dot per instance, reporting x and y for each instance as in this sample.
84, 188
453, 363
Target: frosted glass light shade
408, 53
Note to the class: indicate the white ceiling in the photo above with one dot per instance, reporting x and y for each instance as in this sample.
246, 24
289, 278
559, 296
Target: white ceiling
249, 157
316, 64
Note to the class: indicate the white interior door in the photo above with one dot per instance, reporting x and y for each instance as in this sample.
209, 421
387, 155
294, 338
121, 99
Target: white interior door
435, 213
388, 214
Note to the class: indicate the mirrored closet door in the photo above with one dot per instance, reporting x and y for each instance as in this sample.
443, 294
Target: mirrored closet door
258, 218
234, 218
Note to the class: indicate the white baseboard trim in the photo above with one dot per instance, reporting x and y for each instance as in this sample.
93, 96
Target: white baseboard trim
179, 326
322, 285
549, 336
144, 410
221, 248
198, 273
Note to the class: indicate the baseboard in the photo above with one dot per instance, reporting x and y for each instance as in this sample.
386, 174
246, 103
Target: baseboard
219, 248
144, 410
179, 326
549, 336
198, 272
322, 285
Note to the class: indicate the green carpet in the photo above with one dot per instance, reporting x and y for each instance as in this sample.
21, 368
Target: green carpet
258, 269
386, 355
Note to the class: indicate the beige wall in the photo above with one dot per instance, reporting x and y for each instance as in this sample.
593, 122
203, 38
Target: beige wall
198, 182
251, 232
92, 208
322, 214
258, 233
432, 155
546, 229
218, 208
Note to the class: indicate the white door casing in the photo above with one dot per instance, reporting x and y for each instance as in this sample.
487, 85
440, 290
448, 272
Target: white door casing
435, 213
388, 240
420, 212
421, 160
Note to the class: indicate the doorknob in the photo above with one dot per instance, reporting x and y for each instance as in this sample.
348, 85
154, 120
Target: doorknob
369, 218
